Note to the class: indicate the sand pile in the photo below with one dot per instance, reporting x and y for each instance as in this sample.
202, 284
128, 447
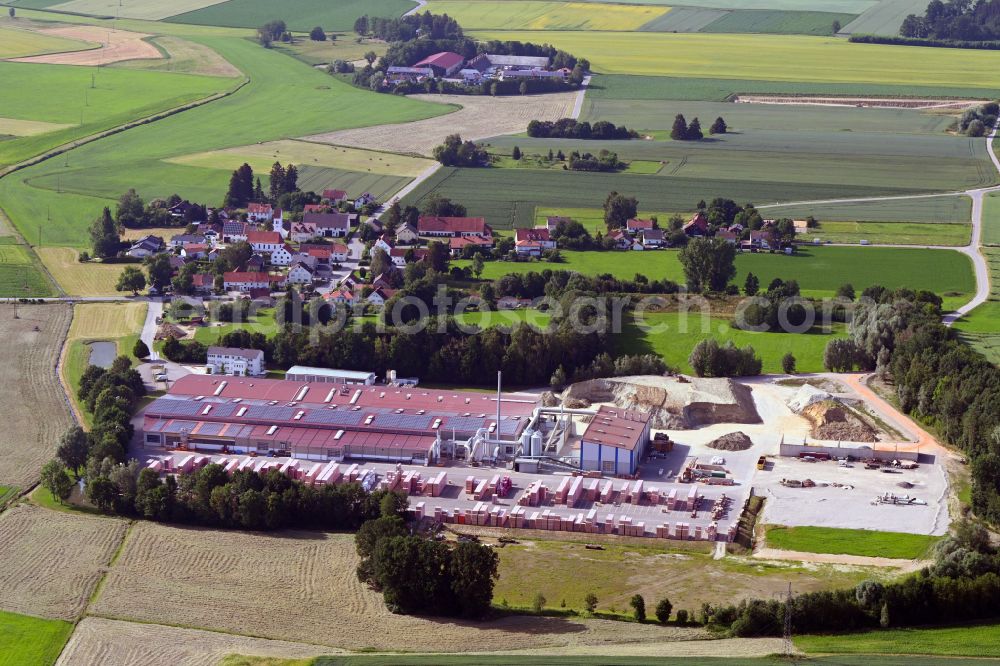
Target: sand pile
675, 404
835, 422
734, 441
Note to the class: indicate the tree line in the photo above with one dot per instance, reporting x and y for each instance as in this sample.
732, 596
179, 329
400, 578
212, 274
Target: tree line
959, 20
570, 128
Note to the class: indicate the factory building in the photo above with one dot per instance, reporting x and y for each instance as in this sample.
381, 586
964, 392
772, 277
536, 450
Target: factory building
303, 373
325, 421
614, 442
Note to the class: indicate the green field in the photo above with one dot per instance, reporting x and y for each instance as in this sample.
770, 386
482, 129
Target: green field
974, 641
769, 21
890, 233
337, 47
263, 322
31, 641
778, 58
61, 94
300, 15
135, 158
980, 329
869, 543
673, 335
20, 43
943, 210
991, 219
508, 197
820, 271
542, 15
136, 9
20, 277
707, 87
684, 19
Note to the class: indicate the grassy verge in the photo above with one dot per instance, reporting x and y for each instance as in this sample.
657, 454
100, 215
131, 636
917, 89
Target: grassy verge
973, 641
34, 641
869, 543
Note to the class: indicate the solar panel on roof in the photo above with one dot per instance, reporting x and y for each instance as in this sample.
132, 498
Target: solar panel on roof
211, 428
177, 427
332, 417
402, 421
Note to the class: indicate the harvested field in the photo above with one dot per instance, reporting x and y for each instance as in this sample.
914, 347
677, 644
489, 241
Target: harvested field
53, 560
305, 153
185, 57
76, 279
868, 102
18, 127
259, 584
29, 388
478, 118
15, 43
107, 320
116, 46
116, 643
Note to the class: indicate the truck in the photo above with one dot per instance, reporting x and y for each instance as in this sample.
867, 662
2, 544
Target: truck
761, 462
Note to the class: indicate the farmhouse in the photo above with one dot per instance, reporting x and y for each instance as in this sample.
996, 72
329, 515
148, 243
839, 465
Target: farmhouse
328, 225
300, 273
400, 74
282, 256
195, 251
535, 74
234, 231
615, 441
334, 197
327, 421
234, 361
697, 225
539, 235
441, 227
442, 64
341, 295
145, 247
406, 234
652, 238
246, 281
383, 243
635, 225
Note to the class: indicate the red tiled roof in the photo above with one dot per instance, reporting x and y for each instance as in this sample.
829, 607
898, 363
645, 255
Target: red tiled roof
259, 208
444, 60
464, 241
333, 195
266, 237
454, 225
636, 223
532, 234
250, 276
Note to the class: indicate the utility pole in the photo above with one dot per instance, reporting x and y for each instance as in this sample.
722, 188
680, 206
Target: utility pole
787, 634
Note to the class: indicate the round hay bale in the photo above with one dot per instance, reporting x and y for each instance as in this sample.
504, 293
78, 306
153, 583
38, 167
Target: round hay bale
734, 441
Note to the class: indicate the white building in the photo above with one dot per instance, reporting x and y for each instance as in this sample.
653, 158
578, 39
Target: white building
282, 256
303, 373
265, 241
300, 273
234, 361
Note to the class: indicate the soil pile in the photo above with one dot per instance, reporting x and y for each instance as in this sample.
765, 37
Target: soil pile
734, 441
833, 421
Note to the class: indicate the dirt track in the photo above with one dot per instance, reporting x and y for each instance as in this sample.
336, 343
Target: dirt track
116, 46
870, 102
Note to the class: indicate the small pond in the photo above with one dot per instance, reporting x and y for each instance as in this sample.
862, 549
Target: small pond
102, 353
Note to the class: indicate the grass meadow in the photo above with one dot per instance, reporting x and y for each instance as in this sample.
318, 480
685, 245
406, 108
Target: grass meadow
87, 100
979, 640
135, 158
34, 641
891, 233
672, 336
777, 22
16, 43
20, 277
896, 545
774, 58
945, 210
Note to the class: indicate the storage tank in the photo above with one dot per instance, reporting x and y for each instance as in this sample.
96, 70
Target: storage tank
536, 444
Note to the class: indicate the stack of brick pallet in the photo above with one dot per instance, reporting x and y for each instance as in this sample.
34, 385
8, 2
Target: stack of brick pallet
575, 491
533, 495
436, 485
592, 492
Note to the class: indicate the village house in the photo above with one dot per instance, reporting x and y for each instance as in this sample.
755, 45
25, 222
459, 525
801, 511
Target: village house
328, 225
364, 199
146, 247
398, 255
697, 225
652, 238
552, 222
341, 295
300, 273
202, 283
258, 212
300, 232
383, 243
621, 239
248, 280
195, 251
406, 234
316, 208
379, 296
727, 235
180, 240
636, 226
256, 262
444, 63
234, 231
335, 197
265, 241
457, 245
282, 256
540, 235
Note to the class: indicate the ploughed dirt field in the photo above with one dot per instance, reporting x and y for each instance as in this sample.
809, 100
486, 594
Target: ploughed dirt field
31, 399
115, 46
53, 560
301, 586
479, 118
